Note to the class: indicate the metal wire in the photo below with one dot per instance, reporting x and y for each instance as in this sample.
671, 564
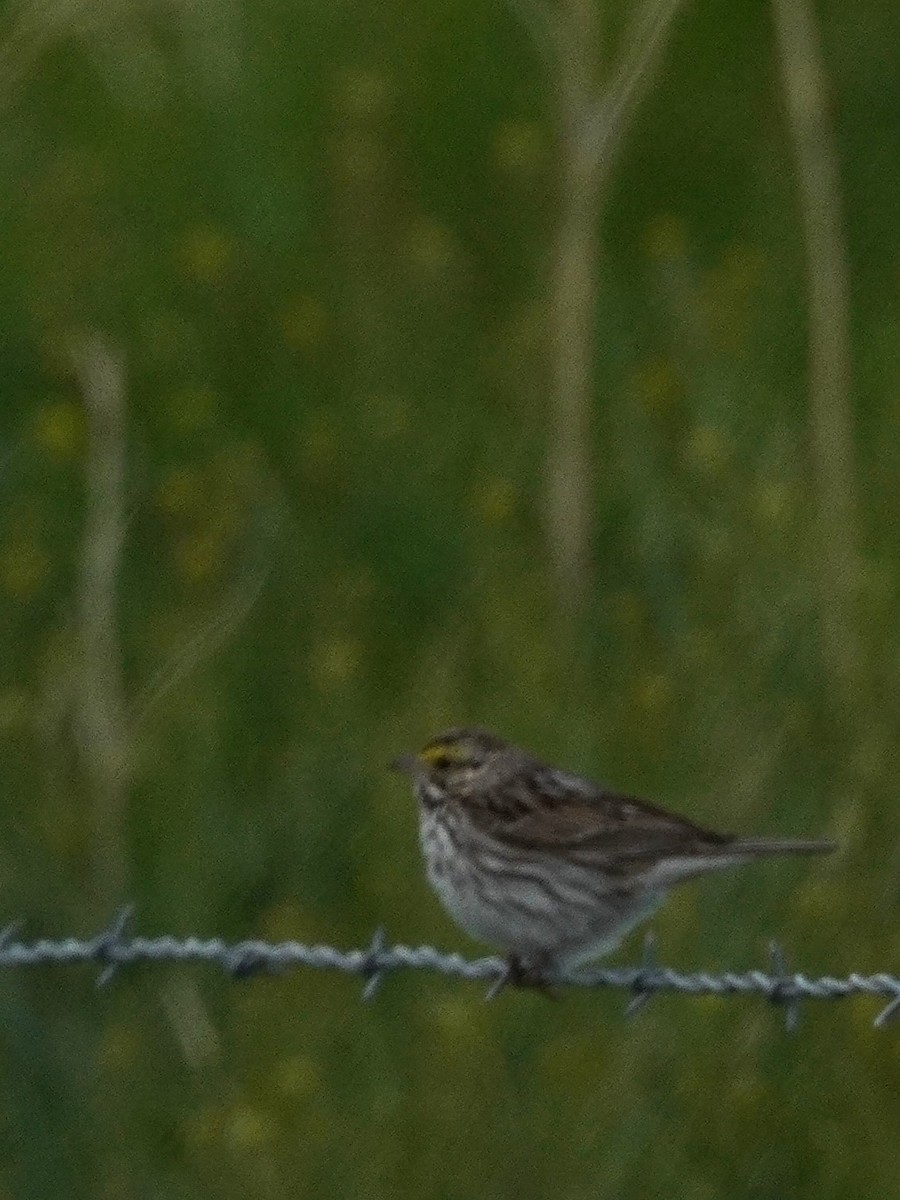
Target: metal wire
114, 950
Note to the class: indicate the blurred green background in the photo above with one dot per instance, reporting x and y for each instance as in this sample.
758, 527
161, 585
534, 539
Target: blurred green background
308, 246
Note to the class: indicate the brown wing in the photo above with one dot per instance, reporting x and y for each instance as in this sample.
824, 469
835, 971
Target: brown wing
542, 808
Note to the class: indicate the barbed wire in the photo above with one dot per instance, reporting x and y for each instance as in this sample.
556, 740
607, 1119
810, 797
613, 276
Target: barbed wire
114, 949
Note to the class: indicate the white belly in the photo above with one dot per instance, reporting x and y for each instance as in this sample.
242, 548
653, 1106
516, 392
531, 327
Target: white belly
575, 920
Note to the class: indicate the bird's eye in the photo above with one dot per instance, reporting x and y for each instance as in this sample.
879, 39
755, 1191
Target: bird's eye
440, 762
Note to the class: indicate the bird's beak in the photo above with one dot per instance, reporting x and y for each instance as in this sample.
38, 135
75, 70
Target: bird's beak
406, 764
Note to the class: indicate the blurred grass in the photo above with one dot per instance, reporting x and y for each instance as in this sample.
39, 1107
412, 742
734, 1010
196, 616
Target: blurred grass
318, 238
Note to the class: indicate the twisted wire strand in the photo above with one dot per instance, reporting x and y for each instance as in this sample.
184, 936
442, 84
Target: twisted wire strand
112, 950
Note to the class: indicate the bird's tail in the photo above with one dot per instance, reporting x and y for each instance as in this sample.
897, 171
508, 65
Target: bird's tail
678, 868
756, 847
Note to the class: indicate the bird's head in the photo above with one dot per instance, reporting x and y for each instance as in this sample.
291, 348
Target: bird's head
454, 760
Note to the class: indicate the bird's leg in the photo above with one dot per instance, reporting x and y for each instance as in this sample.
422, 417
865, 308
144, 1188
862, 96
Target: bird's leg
518, 973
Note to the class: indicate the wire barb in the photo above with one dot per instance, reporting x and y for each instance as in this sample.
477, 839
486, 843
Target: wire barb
888, 1013
643, 985
372, 970
111, 943
783, 992
112, 950
9, 932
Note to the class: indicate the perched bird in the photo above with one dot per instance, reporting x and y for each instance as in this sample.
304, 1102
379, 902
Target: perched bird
547, 866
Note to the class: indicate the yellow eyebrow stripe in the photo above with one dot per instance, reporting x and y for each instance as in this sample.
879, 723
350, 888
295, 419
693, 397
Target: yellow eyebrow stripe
435, 752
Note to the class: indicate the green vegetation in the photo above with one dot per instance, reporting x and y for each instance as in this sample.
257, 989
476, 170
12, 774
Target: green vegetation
317, 239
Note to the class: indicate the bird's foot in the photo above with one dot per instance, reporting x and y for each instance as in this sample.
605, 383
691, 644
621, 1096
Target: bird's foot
519, 974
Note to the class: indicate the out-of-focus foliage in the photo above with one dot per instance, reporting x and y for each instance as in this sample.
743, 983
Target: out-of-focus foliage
318, 233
